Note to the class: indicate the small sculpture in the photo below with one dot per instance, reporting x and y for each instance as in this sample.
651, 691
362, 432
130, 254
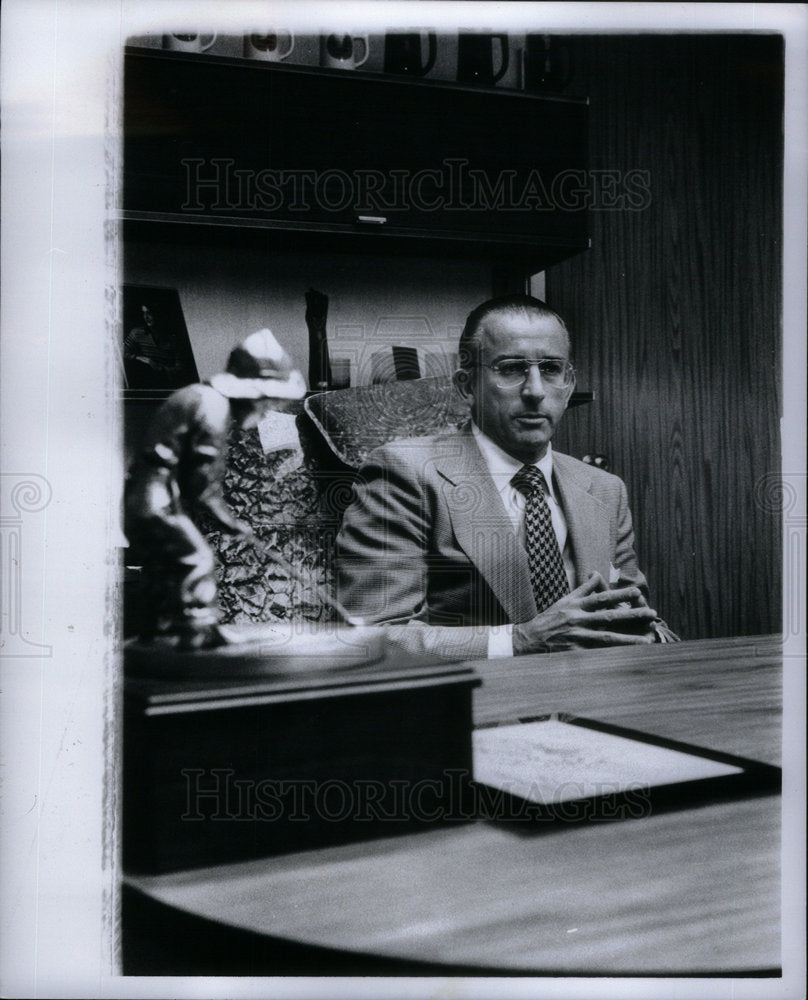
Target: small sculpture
319, 362
179, 472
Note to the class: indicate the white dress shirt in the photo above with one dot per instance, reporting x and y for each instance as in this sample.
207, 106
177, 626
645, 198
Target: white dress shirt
503, 468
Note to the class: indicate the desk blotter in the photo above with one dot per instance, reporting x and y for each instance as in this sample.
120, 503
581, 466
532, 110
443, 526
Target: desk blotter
570, 769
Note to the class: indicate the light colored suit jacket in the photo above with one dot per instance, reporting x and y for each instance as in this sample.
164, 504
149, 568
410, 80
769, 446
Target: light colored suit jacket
427, 547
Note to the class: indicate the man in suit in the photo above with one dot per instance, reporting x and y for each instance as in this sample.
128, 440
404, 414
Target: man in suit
463, 548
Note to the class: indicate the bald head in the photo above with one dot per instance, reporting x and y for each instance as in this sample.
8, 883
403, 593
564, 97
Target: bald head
525, 306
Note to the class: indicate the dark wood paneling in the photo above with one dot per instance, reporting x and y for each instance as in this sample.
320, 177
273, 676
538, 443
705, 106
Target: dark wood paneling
676, 315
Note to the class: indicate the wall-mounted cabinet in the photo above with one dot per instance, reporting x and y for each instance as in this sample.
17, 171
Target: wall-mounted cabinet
352, 161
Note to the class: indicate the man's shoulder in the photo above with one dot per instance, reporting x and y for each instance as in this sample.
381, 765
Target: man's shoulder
414, 449
567, 466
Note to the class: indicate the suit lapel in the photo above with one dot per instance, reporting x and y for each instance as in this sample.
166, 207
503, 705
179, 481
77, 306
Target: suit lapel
482, 527
587, 521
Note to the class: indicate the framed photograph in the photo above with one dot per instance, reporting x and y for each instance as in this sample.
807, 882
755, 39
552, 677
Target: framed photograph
157, 355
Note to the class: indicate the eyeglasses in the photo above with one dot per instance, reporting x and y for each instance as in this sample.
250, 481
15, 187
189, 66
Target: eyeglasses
508, 374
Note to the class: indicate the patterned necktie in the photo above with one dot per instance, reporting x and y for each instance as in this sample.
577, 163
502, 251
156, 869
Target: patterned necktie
547, 575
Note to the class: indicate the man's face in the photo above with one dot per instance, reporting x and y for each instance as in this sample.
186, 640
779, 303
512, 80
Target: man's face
522, 419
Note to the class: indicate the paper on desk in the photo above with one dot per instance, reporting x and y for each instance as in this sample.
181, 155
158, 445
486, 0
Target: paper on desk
553, 761
278, 432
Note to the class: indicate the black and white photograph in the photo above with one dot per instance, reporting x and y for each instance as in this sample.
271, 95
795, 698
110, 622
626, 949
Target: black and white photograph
403, 499
157, 354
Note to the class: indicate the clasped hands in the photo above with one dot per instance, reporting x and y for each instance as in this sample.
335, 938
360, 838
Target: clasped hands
592, 615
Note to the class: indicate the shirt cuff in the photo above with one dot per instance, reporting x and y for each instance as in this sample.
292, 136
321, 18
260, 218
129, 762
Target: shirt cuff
500, 641
664, 633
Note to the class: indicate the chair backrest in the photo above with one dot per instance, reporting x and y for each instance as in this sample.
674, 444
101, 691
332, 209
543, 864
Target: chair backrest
352, 422
298, 513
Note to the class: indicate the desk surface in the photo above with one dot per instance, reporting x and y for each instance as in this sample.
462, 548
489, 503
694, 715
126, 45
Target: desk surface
691, 891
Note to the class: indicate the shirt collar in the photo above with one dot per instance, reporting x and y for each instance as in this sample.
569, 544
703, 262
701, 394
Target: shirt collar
503, 466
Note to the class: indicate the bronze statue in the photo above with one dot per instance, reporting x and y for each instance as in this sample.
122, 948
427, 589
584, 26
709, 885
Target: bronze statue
179, 473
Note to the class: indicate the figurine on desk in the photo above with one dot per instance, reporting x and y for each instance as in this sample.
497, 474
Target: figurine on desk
179, 472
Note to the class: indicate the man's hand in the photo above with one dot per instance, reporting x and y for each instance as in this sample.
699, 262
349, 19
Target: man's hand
592, 615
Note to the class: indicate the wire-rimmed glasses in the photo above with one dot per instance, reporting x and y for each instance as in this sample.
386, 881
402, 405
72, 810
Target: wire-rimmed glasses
513, 372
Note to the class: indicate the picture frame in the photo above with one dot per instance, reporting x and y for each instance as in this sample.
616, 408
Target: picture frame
156, 350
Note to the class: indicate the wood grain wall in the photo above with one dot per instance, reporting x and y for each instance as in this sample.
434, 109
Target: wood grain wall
676, 316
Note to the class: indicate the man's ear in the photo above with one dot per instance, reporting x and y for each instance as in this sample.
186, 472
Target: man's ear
462, 379
570, 391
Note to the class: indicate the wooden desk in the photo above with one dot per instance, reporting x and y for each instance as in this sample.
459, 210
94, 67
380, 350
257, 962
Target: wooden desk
688, 892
